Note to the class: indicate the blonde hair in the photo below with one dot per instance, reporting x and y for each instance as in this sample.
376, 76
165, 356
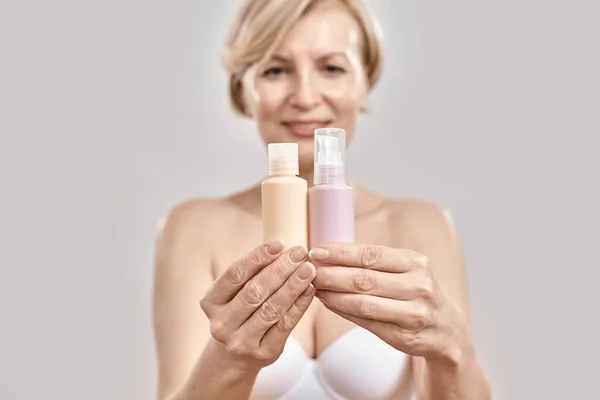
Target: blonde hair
261, 25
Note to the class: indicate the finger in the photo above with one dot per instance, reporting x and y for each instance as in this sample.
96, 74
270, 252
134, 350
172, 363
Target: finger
276, 306
379, 258
278, 333
386, 331
406, 314
361, 280
263, 285
233, 279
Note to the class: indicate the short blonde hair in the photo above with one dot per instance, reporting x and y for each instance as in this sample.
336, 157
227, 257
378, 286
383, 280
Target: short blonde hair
261, 25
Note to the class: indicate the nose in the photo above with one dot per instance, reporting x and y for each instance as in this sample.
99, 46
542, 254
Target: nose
306, 93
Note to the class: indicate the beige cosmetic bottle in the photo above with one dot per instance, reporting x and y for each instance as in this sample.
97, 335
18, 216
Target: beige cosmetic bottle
284, 198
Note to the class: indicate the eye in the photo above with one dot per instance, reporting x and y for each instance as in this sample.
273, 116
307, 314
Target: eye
274, 71
334, 69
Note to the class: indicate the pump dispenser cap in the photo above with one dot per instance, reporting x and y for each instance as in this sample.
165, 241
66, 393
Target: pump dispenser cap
283, 158
330, 156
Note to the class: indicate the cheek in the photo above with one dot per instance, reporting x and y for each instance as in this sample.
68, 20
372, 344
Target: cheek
346, 103
270, 97
346, 96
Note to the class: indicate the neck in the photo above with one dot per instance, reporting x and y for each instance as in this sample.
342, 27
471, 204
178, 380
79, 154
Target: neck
308, 176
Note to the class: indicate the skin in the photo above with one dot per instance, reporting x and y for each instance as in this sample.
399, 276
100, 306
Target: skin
315, 79
405, 283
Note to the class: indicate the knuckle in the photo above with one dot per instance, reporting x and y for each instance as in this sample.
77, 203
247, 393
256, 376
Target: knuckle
344, 253
234, 275
286, 323
424, 290
263, 355
280, 270
204, 304
237, 348
370, 256
422, 317
255, 257
363, 280
367, 308
411, 339
217, 331
253, 293
269, 313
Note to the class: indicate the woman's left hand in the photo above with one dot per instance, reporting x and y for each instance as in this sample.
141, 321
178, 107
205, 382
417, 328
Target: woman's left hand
393, 294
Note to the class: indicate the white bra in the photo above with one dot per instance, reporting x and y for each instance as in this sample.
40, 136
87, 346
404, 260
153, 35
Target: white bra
357, 366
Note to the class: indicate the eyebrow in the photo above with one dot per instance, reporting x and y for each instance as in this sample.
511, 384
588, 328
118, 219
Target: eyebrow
282, 58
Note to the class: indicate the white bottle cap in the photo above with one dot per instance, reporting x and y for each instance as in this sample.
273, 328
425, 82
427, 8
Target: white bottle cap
283, 158
330, 156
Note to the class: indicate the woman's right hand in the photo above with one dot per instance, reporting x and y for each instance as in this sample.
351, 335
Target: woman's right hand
257, 301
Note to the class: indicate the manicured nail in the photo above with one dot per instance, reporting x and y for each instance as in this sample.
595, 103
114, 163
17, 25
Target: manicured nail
275, 247
422, 260
318, 254
305, 270
298, 254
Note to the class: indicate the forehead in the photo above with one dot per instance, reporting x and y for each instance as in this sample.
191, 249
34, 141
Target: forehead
326, 28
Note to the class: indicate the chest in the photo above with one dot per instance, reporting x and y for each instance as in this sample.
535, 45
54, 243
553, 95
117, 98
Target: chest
247, 234
357, 366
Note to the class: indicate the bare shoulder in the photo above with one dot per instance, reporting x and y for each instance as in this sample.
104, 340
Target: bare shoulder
188, 220
419, 222
201, 224
412, 208
190, 228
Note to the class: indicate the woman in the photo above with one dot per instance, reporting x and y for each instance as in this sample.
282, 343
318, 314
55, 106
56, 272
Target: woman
392, 309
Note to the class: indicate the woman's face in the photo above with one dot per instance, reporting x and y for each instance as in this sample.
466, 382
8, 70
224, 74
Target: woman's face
314, 79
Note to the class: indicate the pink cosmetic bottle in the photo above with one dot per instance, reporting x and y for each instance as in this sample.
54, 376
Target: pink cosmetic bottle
330, 199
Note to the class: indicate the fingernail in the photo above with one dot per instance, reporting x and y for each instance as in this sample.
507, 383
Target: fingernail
318, 254
298, 254
275, 247
308, 291
305, 270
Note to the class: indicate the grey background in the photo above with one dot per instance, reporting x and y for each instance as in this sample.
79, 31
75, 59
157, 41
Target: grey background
107, 108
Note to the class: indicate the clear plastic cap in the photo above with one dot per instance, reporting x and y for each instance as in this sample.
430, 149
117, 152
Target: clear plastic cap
330, 156
283, 158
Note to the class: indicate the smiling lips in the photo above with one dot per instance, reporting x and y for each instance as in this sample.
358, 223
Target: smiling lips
305, 127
